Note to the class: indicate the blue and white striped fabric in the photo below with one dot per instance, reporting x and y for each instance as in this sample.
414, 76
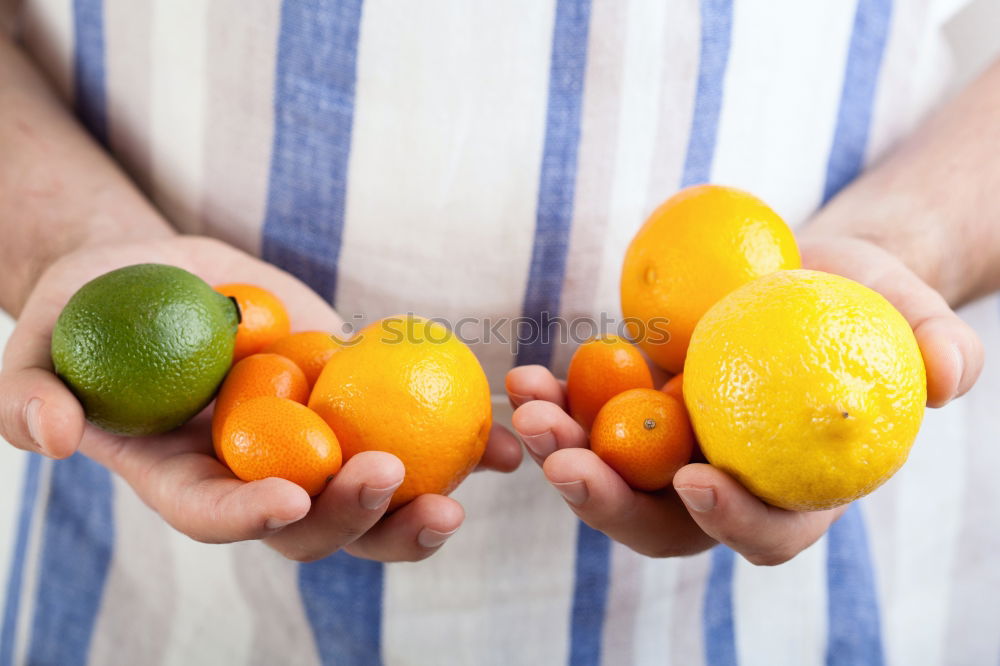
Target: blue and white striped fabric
493, 159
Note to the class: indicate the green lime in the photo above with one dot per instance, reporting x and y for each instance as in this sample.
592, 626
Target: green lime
145, 347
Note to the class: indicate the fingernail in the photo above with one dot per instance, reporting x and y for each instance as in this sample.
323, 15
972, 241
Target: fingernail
32, 418
519, 399
698, 499
429, 538
375, 498
574, 492
541, 444
960, 362
277, 523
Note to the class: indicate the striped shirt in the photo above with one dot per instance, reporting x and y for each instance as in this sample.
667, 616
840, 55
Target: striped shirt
490, 160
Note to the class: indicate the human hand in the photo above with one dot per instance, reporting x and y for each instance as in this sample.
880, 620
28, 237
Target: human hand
706, 505
176, 473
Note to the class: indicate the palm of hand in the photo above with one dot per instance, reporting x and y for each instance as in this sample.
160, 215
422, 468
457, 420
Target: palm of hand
177, 474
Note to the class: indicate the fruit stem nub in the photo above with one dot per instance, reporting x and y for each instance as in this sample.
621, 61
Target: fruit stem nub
649, 424
239, 314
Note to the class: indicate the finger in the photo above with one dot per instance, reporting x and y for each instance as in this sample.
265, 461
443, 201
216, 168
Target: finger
351, 504
503, 451
224, 510
763, 534
657, 524
413, 532
176, 475
200, 498
545, 427
953, 357
534, 382
37, 411
952, 352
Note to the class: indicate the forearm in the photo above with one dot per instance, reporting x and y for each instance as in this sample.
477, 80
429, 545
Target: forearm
59, 190
935, 201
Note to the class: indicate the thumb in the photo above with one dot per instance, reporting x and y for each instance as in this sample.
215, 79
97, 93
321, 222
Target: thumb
38, 413
728, 513
952, 352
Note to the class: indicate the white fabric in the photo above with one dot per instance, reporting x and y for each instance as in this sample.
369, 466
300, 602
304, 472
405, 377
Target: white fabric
449, 127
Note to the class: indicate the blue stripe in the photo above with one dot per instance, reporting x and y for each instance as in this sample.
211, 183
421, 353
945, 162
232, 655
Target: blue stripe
854, 635
716, 35
77, 542
342, 596
590, 596
313, 118
15, 580
303, 230
88, 67
857, 98
553, 217
720, 627
557, 182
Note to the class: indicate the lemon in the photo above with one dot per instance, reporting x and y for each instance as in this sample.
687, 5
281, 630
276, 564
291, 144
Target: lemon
806, 387
144, 347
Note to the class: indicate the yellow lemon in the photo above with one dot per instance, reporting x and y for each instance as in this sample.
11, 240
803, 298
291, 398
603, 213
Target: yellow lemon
807, 387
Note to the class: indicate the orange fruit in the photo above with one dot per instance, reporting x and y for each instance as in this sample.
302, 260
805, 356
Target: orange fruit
310, 350
257, 376
675, 387
263, 318
410, 387
645, 436
268, 436
694, 249
600, 369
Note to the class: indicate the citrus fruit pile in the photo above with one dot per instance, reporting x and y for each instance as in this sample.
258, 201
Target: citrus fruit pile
297, 404
806, 387
642, 434
147, 347
695, 248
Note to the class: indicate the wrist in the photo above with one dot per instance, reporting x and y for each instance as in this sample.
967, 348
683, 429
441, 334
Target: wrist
915, 237
59, 191
45, 240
